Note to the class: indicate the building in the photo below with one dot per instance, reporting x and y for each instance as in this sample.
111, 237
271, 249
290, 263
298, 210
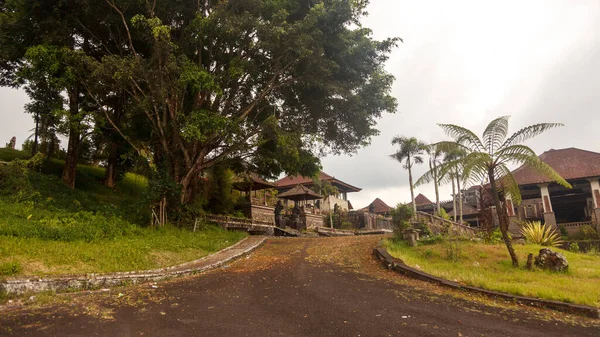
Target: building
378, 207
556, 205
340, 199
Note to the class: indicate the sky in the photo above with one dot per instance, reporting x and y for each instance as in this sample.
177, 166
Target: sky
465, 63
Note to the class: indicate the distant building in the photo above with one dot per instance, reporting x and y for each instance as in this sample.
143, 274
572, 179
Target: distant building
378, 207
341, 199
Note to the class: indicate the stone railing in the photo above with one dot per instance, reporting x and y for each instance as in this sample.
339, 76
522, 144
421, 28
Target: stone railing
230, 222
575, 227
440, 225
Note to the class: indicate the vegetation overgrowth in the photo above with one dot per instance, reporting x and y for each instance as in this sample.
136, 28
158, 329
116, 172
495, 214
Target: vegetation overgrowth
487, 266
47, 228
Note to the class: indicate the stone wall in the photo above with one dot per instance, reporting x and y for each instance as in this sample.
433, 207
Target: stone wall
439, 225
365, 220
263, 213
312, 220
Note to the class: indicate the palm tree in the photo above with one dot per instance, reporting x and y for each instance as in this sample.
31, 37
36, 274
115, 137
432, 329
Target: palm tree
410, 152
453, 175
434, 160
487, 157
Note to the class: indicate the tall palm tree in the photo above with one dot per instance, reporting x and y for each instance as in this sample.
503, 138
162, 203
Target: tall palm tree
435, 155
439, 177
410, 152
487, 157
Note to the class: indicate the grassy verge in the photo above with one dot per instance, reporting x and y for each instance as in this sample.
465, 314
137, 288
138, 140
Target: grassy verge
47, 228
147, 249
489, 267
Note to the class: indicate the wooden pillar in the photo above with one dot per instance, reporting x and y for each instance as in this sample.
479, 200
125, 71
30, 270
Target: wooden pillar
513, 226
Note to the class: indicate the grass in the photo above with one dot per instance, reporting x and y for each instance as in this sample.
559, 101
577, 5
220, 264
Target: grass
489, 267
148, 249
51, 229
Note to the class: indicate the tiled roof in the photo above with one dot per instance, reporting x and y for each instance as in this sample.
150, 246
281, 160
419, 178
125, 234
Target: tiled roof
379, 206
300, 180
467, 210
571, 163
421, 200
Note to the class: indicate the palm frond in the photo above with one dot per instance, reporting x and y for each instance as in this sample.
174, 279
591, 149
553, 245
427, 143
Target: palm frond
506, 154
463, 136
426, 178
475, 167
495, 133
538, 165
418, 159
528, 133
508, 183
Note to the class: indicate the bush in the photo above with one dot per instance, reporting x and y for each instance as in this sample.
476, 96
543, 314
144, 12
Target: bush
537, 233
574, 247
563, 231
588, 232
442, 214
431, 240
400, 216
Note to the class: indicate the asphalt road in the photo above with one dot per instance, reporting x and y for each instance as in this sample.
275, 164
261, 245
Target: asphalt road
290, 287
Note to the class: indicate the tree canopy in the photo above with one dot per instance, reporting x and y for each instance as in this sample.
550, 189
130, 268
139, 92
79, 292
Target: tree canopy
271, 84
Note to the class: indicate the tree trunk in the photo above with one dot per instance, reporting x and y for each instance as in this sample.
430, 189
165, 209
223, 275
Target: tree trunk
410, 181
70, 169
454, 199
110, 178
502, 219
34, 147
437, 191
460, 201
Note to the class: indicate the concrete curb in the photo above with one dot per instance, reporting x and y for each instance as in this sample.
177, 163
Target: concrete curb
400, 267
96, 281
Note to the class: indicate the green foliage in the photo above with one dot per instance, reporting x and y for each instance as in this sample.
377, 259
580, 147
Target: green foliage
442, 214
563, 231
537, 233
588, 232
10, 268
401, 214
221, 201
431, 240
491, 237
574, 247
423, 228
453, 249
10, 154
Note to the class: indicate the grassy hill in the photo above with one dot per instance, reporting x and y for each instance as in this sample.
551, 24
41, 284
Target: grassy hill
47, 228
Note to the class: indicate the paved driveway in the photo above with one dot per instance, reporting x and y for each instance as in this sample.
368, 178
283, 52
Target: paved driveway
291, 287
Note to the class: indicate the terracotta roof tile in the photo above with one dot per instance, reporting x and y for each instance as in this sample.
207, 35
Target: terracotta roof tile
571, 163
421, 200
379, 206
300, 180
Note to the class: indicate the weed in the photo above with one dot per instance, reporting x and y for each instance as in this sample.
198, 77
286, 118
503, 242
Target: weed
10, 268
453, 249
537, 233
574, 247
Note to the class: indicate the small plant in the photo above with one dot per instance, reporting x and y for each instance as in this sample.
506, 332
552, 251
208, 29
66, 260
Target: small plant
563, 231
453, 249
588, 233
537, 233
431, 240
442, 214
574, 247
10, 268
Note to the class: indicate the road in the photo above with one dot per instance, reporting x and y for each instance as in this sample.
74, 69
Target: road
289, 287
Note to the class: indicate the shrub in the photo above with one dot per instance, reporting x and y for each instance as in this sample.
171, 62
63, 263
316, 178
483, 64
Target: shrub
400, 216
574, 247
563, 231
431, 240
588, 232
537, 233
442, 214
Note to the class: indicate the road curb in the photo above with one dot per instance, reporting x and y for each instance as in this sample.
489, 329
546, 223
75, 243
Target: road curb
96, 281
400, 267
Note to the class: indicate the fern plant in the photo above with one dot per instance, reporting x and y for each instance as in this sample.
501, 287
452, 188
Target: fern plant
544, 235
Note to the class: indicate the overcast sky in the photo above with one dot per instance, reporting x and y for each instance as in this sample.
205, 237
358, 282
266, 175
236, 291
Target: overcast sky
466, 63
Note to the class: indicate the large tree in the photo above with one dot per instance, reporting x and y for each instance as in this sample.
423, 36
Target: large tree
271, 83
410, 152
487, 158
